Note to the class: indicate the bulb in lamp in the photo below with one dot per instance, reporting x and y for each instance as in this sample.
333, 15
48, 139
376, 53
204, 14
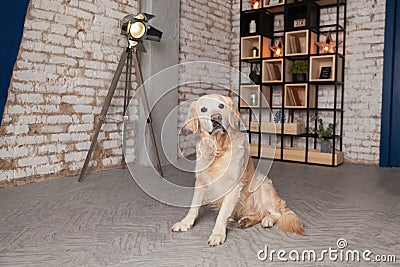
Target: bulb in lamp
278, 49
137, 30
256, 5
328, 45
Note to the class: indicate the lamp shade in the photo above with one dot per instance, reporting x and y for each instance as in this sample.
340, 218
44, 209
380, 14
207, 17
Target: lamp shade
137, 28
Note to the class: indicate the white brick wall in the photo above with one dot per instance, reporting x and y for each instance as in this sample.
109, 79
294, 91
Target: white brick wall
364, 74
68, 55
199, 44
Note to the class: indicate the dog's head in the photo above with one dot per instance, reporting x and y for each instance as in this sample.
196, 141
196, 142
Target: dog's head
212, 114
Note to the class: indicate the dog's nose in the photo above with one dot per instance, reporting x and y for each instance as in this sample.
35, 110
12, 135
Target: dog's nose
216, 117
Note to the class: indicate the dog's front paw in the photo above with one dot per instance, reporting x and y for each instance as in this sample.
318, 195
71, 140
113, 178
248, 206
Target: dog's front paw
181, 227
216, 239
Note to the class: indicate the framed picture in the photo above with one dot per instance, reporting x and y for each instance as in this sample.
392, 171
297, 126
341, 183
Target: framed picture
325, 73
274, 2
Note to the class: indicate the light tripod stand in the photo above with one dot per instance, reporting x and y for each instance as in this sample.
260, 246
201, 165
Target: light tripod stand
126, 59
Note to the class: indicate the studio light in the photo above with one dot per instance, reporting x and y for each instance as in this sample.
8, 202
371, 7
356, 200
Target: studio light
137, 28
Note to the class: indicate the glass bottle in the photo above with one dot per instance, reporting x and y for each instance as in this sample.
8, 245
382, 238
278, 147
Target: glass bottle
253, 98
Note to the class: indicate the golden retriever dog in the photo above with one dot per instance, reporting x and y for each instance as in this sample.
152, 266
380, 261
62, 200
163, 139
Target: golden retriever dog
225, 175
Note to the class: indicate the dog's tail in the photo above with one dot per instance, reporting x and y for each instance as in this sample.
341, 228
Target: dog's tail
290, 223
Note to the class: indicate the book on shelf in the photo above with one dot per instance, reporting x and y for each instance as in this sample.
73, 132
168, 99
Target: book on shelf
297, 99
270, 72
274, 72
294, 98
277, 72
290, 97
291, 44
295, 45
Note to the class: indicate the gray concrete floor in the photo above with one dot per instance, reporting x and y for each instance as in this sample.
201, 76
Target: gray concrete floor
108, 221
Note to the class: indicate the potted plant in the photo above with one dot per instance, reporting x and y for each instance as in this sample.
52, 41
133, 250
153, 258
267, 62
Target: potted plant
299, 70
323, 133
280, 117
255, 76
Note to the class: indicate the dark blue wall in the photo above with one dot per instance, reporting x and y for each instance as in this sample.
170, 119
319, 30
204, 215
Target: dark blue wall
390, 134
12, 17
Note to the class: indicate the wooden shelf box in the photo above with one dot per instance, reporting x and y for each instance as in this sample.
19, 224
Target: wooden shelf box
314, 156
272, 70
325, 61
247, 44
247, 90
297, 43
297, 154
271, 127
296, 95
288, 70
265, 151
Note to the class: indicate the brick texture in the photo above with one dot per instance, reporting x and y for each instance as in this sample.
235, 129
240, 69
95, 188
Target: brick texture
67, 58
364, 74
206, 34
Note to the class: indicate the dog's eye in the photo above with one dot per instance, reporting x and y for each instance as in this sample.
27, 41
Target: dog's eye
203, 109
221, 106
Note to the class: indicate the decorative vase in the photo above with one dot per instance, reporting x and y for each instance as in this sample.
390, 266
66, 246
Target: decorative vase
299, 77
326, 146
253, 26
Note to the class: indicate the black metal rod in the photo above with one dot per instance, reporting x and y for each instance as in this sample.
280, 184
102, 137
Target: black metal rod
343, 76
336, 86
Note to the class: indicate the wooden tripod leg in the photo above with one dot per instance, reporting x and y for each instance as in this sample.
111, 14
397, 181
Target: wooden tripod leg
139, 78
104, 110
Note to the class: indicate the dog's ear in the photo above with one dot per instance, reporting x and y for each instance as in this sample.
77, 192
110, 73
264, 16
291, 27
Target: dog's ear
192, 121
233, 113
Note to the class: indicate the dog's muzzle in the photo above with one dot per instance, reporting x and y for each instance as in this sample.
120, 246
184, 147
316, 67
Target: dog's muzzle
216, 120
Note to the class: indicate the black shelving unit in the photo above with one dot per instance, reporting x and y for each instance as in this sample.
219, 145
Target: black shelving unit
301, 19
